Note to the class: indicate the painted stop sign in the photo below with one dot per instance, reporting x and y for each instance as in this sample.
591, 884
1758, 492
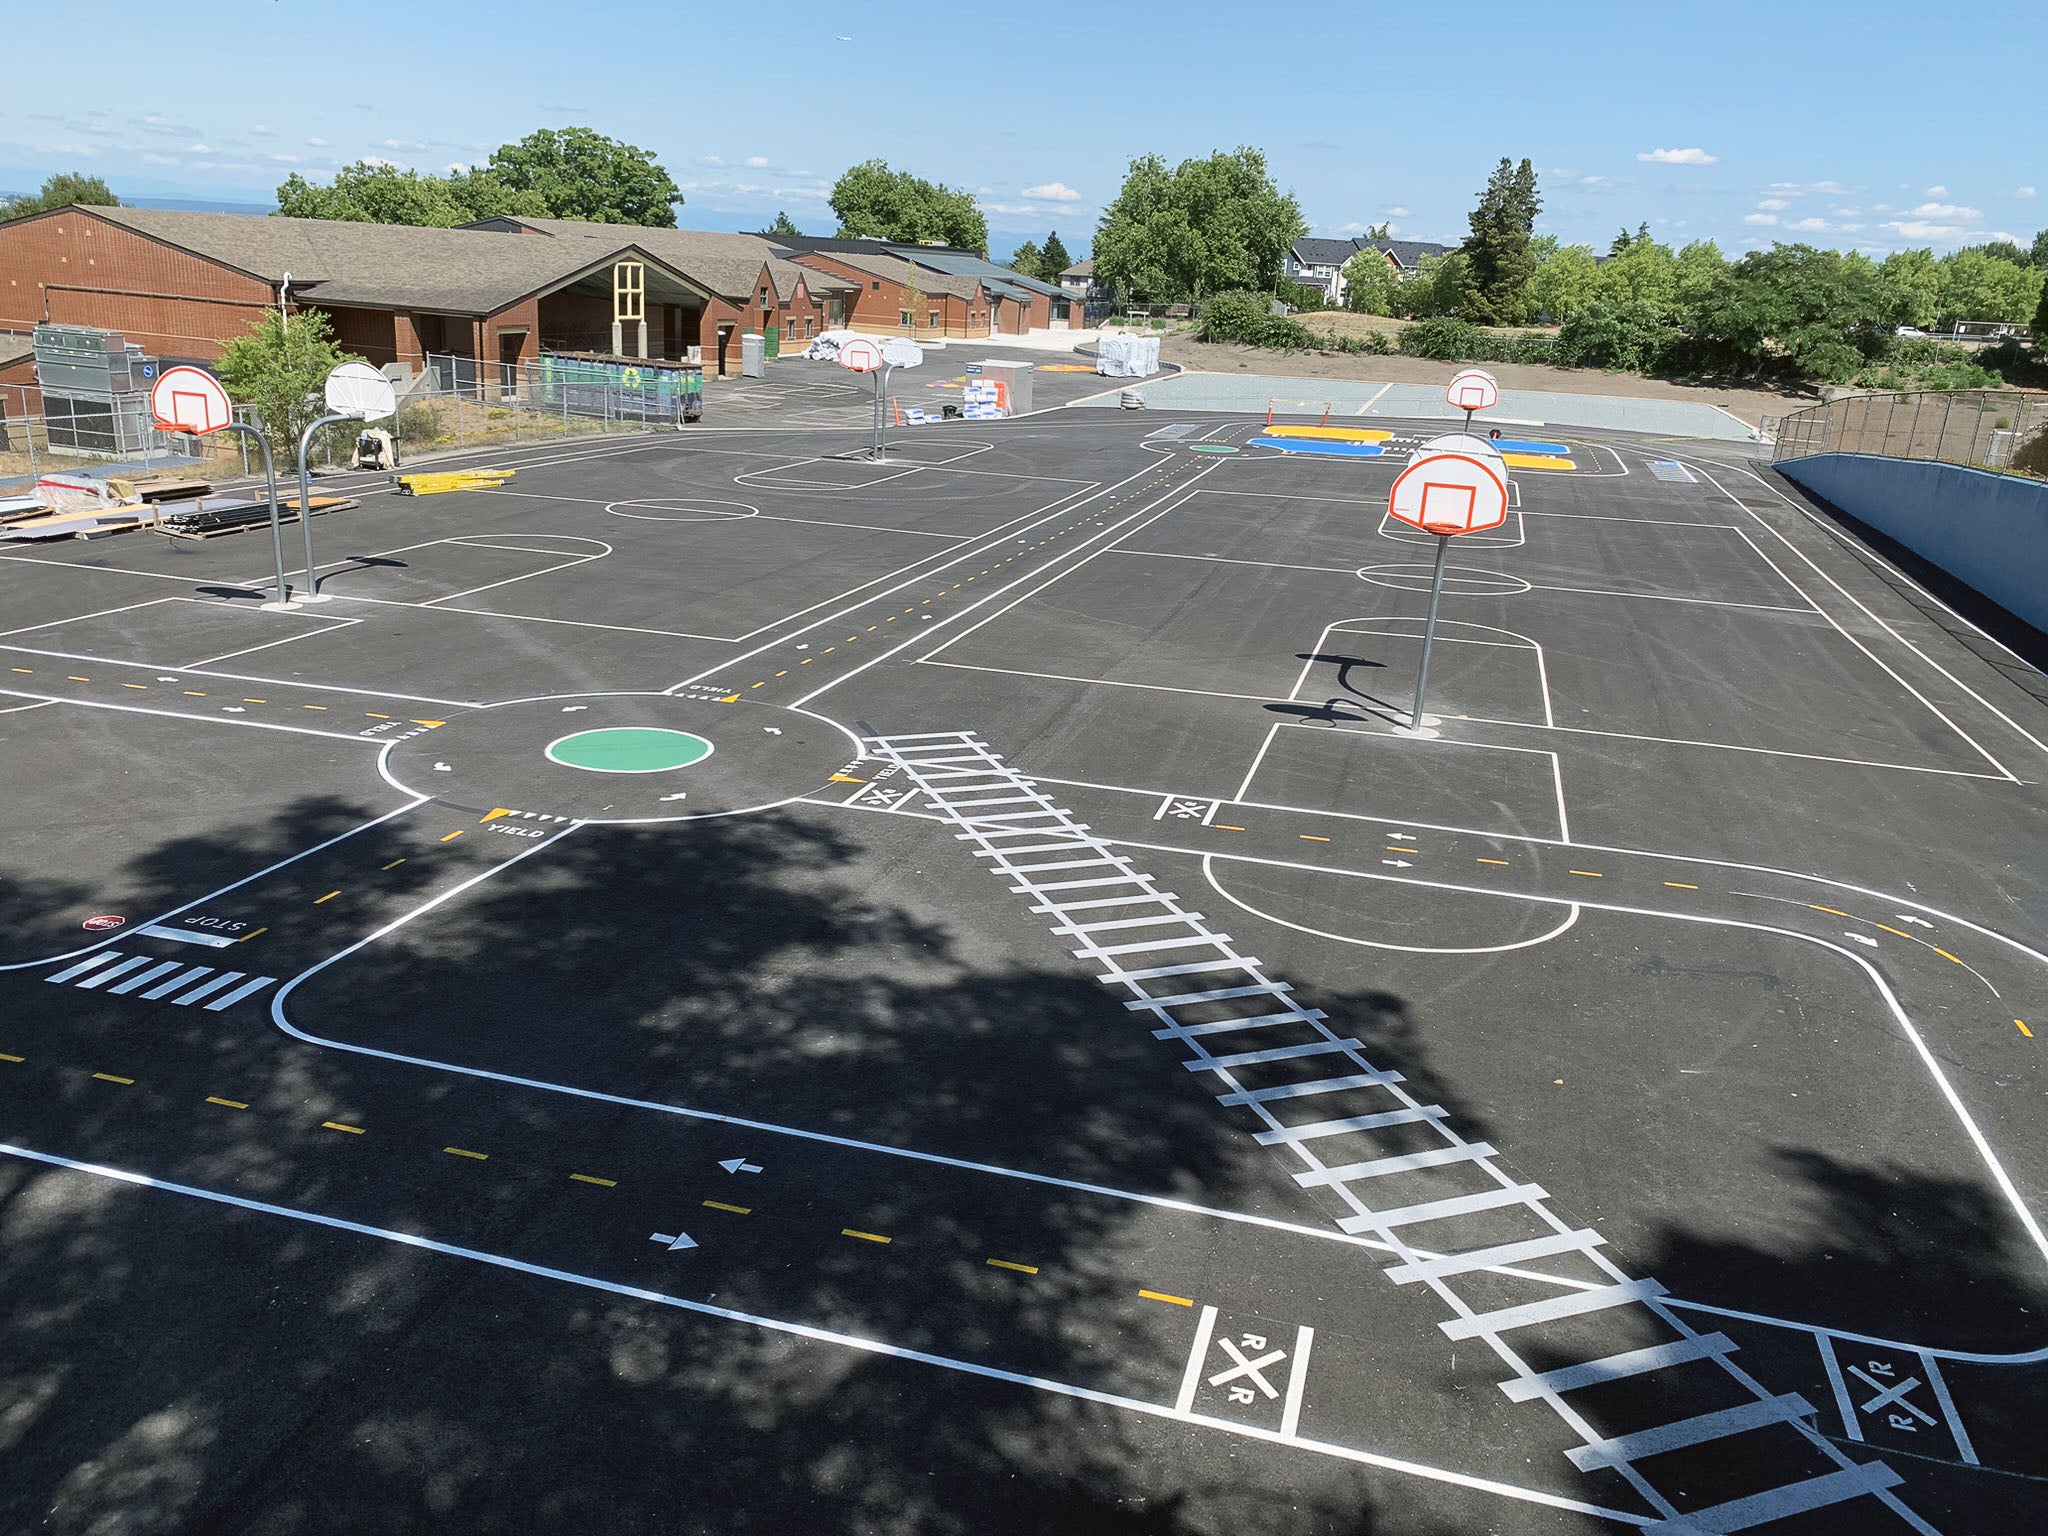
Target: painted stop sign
102, 923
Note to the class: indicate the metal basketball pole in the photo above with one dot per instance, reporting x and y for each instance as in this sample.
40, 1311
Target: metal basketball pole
1436, 593
284, 595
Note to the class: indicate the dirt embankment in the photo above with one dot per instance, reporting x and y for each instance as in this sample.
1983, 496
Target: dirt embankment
1750, 404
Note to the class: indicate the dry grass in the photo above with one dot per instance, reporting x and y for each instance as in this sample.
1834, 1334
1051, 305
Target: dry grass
1341, 322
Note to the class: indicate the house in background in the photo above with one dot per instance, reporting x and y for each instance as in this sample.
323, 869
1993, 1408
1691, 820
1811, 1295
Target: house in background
1315, 262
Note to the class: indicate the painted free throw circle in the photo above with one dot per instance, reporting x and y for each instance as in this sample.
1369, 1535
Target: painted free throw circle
629, 749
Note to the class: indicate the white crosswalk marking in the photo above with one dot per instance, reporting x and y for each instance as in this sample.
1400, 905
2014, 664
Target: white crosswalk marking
192, 983
1208, 989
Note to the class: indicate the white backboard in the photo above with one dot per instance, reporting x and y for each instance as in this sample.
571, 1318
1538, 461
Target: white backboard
357, 389
189, 400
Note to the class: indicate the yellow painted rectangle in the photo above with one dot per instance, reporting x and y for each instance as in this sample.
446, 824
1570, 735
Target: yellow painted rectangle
1888, 928
452, 835
1493, 861
1943, 953
1310, 837
1022, 1269
1333, 434
1536, 461
138, 687
321, 707
720, 1205
319, 901
2021, 1026
1680, 885
584, 1178
336, 1125
1392, 849
226, 1103
1590, 874
394, 864
846, 778
1831, 912
866, 1237
465, 1152
1178, 1301
1224, 826
4, 1056
252, 933
108, 1077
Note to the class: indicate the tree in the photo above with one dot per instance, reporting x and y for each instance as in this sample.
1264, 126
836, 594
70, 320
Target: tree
913, 296
1910, 285
2037, 254
1641, 274
783, 225
1203, 227
1565, 280
67, 189
278, 367
1369, 281
2041, 325
874, 202
580, 174
1696, 270
1053, 260
1820, 312
1497, 250
1027, 258
371, 192
1977, 286
1620, 242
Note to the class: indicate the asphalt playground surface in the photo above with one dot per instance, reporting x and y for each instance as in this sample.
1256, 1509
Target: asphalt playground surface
722, 987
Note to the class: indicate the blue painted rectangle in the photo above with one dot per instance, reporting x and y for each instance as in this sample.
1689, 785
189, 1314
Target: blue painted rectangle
1548, 450
1321, 447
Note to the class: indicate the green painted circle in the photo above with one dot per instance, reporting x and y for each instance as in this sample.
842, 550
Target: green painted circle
1210, 448
629, 749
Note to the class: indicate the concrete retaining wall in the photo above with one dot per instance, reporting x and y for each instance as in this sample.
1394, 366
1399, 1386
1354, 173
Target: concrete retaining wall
1988, 531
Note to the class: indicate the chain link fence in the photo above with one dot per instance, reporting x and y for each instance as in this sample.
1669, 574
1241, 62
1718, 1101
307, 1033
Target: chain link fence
1982, 428
453, 405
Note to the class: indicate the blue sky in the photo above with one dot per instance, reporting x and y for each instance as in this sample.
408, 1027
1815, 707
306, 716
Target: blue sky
1865, 125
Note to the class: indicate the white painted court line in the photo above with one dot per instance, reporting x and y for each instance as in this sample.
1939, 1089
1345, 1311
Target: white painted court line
1571, 919
1366, 409
79, 618
197, 717
301, 684
827, 1336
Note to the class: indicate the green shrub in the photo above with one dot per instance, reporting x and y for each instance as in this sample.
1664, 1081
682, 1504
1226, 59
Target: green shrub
1248, 317
1443, 337
1626, 336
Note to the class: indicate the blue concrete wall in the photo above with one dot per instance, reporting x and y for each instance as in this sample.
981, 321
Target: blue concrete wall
1988, 531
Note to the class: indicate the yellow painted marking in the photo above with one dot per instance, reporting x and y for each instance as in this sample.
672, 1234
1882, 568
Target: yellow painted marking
465, 1152
430, 722
327, 898
193, 693
1888, 928
1536, 461
336, 1125
584, 1178
873, 627
1831, 912
321, 707
1680, 885
26, 671
496, 812
371, 714
255, 701
1392, 849
108, 1077
226, 1103
1590, 874
1310, 837
1022, 1269
1329, 434
1943, 953
1178, 1301
730, 698
2019, 1024
78, 679
828, 650
762, 684
737, 1210
138, 687
245, 938
4, 1056
394, 864
846, 778
452, 835
1224, 826
890, 620
783, 673
1492, 861
866, 1237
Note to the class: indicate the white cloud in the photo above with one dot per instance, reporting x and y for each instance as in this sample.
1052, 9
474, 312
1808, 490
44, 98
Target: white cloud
286, 159
756, 162
1397, 213
317, 143
1848, 213
1807, 188
1999, 234
259, 130
1774, 204
1937, 191
1761, 220
1881, 208
1953, 211
2024, 191
197, 149
380, 160
159, 159
1353, 228
1054, 191
1811, 226
709, 160
1922, 229
1694, 156
402, 144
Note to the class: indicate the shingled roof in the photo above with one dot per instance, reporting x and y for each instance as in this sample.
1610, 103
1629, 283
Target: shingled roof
460, 271
728, 265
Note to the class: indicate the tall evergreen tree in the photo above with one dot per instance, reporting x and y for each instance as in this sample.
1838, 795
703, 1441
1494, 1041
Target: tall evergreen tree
1028, 259
783, 225
1053, 260
1500, 262
1620, 242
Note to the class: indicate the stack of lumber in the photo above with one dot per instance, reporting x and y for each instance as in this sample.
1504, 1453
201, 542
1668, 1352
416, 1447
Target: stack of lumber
453, 480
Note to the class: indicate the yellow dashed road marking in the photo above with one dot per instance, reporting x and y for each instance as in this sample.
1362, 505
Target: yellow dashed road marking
108, 1077
1310, 837
1224, 826
394, 864
1590, 874
336, 1125
245, 938
866, 1237
226, 1103
1680, 885
1178, 1301
452, 835
465, 1152
737, 1210
585, 1178
2018, 1024
327, 898
1831, 912
1022, 1269
4, 1056
1493, 861
1943, 953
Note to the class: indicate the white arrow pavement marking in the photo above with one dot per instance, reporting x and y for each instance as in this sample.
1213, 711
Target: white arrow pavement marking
1398, 863
1907, 917
681, 794
739, 1165
1861, 939
570, 709
1404, 836
679, 1240
772, 730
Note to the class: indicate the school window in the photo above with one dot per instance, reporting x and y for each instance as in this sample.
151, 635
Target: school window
878, 281
903, 319
808, 324
789, 330
932, 318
